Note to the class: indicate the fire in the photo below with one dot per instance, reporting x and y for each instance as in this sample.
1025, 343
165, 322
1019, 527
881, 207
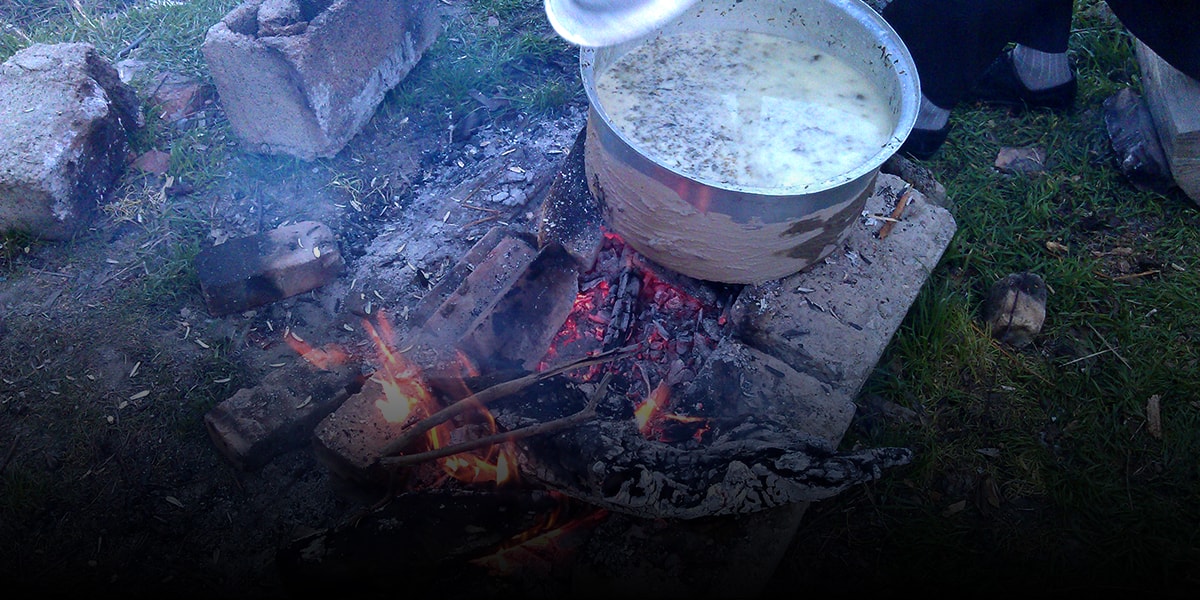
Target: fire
652, 418
650, 410
325, 358
545, 543
407, 399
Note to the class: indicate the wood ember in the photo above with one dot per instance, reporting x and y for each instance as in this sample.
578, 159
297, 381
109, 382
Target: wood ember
760, 453
419, 543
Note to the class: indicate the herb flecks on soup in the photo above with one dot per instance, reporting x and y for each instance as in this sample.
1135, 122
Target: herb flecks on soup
745, 109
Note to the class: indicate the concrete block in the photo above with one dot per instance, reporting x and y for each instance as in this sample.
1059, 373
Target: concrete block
65, 121
246, 272
832, 321
1174, 102
304, 79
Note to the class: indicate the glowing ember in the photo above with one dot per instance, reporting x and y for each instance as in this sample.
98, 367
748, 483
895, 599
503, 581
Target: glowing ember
651, 409
653, 420
545, 543
325, 358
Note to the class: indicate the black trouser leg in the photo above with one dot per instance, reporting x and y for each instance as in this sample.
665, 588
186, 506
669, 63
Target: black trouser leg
953, 41
1169, 27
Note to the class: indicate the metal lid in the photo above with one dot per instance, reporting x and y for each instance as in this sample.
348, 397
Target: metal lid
597, 23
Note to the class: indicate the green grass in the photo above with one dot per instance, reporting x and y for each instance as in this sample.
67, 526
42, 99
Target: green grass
168, 33
1087, 496
500, 49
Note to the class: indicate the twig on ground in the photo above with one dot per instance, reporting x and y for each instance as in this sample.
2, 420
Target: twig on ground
1129, 276
1110, 347
1092, 355
901, 202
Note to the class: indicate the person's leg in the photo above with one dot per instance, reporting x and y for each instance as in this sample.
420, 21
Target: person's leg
1171, 28
1036, 72
954, 41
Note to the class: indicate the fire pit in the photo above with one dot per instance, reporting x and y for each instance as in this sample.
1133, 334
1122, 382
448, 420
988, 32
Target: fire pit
598, 375
693, 415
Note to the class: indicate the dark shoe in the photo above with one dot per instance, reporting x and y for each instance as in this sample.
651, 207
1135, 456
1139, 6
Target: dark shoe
1000, 84
923, 143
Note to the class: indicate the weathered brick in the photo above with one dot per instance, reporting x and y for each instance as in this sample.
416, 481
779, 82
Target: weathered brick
303, 80
246, 272
279, 414
351, 439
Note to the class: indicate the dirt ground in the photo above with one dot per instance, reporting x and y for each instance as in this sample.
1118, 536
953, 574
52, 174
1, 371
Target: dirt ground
110, 359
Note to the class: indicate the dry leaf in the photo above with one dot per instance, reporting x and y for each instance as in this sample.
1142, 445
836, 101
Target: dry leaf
957, 507
1056, 247
174, 500
1154, 417
141, 394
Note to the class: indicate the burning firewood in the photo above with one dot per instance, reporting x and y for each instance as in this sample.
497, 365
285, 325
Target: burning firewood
588, 413
483, 397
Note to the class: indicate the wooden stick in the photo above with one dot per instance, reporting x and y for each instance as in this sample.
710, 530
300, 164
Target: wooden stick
586, 414
485, 396
1132, 275
901, 202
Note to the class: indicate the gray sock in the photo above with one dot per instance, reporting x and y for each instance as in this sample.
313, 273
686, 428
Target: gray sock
1040, 70
931, 116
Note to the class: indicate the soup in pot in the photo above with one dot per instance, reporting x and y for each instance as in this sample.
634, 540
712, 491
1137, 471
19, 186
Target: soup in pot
745, 109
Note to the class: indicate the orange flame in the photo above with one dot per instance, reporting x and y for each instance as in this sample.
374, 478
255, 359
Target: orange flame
407, 397
325, 358
544, 543
650, 410
651, 414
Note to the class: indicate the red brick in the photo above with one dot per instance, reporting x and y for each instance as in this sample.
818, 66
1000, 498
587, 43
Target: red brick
247, 272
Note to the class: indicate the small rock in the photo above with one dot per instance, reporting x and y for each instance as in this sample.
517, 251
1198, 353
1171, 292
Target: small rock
1016, 308
1135, 141
154, 161
1021, 161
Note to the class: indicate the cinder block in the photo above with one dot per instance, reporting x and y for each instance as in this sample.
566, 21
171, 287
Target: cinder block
304, 78
246, 272
65, 121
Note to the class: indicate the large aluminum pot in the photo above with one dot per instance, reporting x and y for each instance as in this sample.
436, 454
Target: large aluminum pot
739, 234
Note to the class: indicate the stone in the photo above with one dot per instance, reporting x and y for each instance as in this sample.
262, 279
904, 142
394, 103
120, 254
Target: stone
1021, 161
303, 78
1016, 308
1135, 141
65, 122
250, 271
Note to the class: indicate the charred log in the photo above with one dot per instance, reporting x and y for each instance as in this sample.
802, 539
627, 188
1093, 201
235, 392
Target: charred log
753, 466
